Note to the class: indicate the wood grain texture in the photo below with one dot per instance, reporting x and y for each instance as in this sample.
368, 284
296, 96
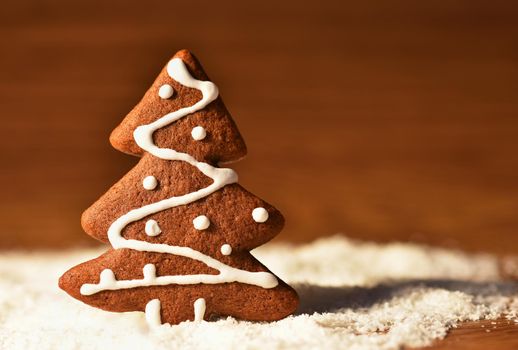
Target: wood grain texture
500, 334
382, 121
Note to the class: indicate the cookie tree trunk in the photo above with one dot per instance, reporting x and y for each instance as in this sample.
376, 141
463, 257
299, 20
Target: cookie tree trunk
181, 228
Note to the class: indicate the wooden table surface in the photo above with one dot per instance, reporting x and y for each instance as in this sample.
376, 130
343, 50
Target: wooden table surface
501, 334
384, 121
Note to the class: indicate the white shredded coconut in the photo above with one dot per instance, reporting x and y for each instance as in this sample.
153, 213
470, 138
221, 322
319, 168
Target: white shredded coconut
354, 295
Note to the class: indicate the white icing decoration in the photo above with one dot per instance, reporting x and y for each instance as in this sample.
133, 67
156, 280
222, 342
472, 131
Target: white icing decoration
152, 229
260, 214
150, 182
198, 133
221, 177
153, 318
226, 249
199, 309
106, 277
149, 272
201, 222
165, 91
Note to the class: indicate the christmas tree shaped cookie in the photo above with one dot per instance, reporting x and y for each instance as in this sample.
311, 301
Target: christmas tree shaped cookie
181, 227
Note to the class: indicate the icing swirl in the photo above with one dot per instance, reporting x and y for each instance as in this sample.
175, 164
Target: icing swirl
221, 177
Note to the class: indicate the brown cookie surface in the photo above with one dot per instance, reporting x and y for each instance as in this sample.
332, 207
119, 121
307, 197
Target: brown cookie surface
245, 302
228, 210
178, 238
223, 142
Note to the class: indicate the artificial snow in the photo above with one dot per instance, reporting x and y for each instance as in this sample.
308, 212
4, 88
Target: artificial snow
354, 295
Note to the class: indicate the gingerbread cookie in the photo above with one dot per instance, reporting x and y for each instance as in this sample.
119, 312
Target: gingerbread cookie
181, 227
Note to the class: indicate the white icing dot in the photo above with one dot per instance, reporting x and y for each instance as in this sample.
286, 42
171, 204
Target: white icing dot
199, 309
152, 228
153, 318
201, 222
260, 214
226, 249
165, 91
198, 133
149, 272
150, 182
107, 276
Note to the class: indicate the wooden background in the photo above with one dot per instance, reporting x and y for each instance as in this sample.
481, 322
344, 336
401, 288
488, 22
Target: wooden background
381, 120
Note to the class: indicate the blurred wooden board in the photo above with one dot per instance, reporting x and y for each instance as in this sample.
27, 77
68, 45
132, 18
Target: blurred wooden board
381, 121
